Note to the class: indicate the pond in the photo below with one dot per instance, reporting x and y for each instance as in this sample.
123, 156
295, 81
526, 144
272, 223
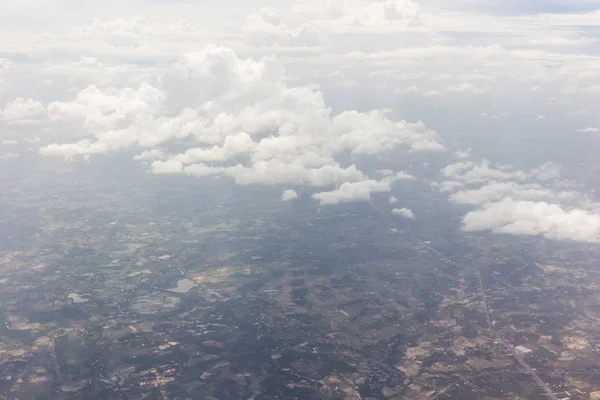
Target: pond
183, 286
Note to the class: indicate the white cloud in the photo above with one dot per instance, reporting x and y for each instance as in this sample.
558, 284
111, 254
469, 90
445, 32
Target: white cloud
463, 155
396, 176
518, 202
385, 172
9, 142
410, 89
22, 109
167, 167
289, 195
149, 155
147, 83
498, 190
393, 200
237, 118
534, 218
469, 172
266, 28
446, 186
404, 212
352, 192
212, 96
466, 87
275, 172
589, 129
431, 93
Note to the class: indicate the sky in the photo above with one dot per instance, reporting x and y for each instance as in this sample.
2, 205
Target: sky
493, 104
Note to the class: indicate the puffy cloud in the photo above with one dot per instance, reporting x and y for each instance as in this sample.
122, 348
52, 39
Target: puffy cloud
545, 172
288, 195
22, 109
9, 142
446, 186
167, 167
534, 218
214, 112
393, 200
213, 97
149, 155
351, 192
238, 118
521, 202
116, 117
402, 176
277, 173
463, 155
404, 212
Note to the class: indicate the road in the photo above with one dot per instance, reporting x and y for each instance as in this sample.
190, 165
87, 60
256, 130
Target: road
518, 356
545, 387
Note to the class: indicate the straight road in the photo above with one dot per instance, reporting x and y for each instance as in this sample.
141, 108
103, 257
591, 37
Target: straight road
518, 356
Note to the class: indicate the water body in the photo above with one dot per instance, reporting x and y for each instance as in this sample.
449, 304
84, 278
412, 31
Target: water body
183, 286
77, 299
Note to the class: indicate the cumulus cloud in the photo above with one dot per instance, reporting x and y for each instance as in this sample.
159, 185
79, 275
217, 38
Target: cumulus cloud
288, 195
9, 142
404, 212
446, 186
149, 155
22, 109
352, 192
167, 167
463, 154
393, 200
238, 118
534, 218
149, 85
517, 202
